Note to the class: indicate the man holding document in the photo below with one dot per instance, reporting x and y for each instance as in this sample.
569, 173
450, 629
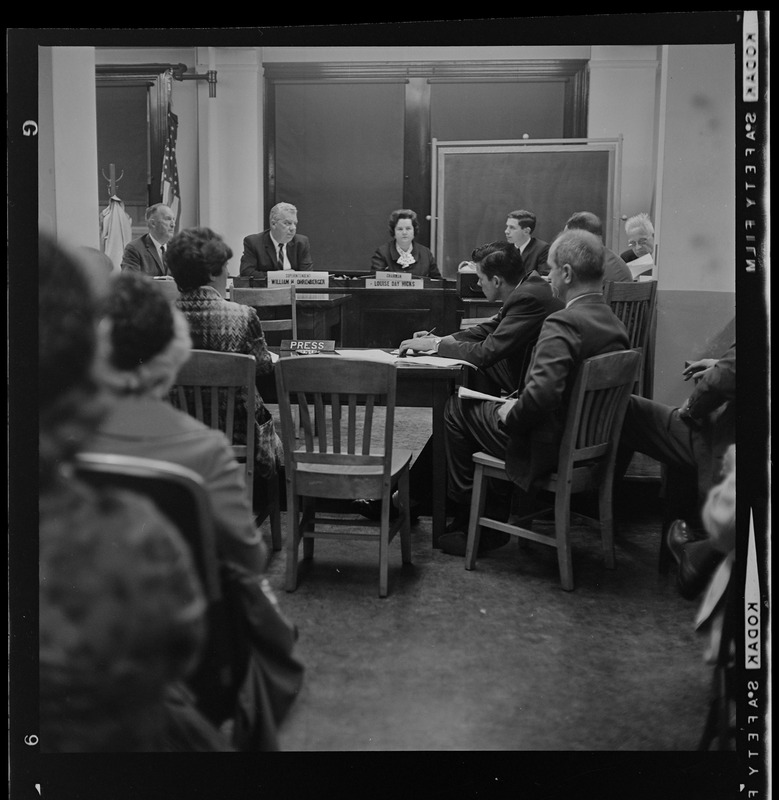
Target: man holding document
527, 430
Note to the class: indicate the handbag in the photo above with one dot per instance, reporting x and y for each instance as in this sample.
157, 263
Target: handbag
273, 674
269, 452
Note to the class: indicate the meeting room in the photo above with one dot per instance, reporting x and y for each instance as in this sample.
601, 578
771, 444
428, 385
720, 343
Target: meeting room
388, 394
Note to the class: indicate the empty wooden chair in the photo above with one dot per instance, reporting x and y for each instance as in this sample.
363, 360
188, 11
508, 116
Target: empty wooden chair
335, 456
217, 388
634, 304
281, 297
586, 462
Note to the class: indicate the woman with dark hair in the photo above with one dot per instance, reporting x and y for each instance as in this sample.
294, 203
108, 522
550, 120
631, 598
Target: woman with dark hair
197, 258
402, 253
146, 340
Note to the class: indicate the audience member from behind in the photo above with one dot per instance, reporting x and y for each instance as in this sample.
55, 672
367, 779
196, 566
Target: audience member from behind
70, 404
146, 342
148, 253
614, 268
641, 238
520, 225
527, 431
198, 262
278, 247
121, 623
110, 662
402, 253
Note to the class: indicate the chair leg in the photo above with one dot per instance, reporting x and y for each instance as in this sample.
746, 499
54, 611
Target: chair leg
405, 506
605, 512
562, 521
384, 545
274, 511
478, 497
309, 513
293, 540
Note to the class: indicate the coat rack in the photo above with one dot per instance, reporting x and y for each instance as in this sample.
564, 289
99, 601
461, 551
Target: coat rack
112, 179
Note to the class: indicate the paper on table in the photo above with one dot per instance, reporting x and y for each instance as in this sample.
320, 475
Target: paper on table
392, 358
368, 355
470, 394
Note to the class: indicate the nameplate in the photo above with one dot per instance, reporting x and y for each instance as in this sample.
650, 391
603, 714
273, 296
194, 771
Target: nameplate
394, 280
308, 347
284, 277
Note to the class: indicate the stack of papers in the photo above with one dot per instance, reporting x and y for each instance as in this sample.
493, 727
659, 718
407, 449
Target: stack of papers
642, 266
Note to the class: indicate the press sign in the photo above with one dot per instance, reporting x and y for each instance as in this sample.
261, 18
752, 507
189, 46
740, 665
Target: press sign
309, 346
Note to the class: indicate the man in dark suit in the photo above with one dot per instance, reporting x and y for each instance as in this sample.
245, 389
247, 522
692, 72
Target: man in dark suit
277, 248
147, 254
519, 231
499, 346
527, 431
614, 268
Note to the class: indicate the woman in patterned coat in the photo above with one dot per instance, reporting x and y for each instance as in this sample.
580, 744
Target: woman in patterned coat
197, 258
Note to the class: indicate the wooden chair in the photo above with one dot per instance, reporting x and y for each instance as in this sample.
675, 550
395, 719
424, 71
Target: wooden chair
178, 492
181, 495
211, 386
336, 458
586, 462
282, 297
634, 304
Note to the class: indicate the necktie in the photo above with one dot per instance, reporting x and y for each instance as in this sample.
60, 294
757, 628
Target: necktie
162, 256
281, 256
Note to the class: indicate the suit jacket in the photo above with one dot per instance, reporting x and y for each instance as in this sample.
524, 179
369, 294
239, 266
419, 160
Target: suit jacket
141, 255
509, 334
386, 258
535, 424
535, 255
260, 256
152, 428
628, 255
614, 268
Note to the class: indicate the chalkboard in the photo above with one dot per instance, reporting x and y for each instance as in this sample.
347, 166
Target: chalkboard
476, 185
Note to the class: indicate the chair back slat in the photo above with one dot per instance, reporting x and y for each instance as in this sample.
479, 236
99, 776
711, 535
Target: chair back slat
218, 389
597, 407
343, 428
283, 296
633, 303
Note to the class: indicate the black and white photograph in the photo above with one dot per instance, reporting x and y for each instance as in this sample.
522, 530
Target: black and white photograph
388, 428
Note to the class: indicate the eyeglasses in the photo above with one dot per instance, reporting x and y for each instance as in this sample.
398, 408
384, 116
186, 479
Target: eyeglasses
634, 242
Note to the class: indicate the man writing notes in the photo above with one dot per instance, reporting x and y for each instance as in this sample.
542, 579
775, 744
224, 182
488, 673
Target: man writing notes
519, 231
498, 346
527, 431
147, 254
277, 248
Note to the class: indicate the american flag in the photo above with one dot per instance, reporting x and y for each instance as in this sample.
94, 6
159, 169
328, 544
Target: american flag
171, 193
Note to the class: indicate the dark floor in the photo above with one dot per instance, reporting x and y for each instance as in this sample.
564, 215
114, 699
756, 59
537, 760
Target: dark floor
499, 658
